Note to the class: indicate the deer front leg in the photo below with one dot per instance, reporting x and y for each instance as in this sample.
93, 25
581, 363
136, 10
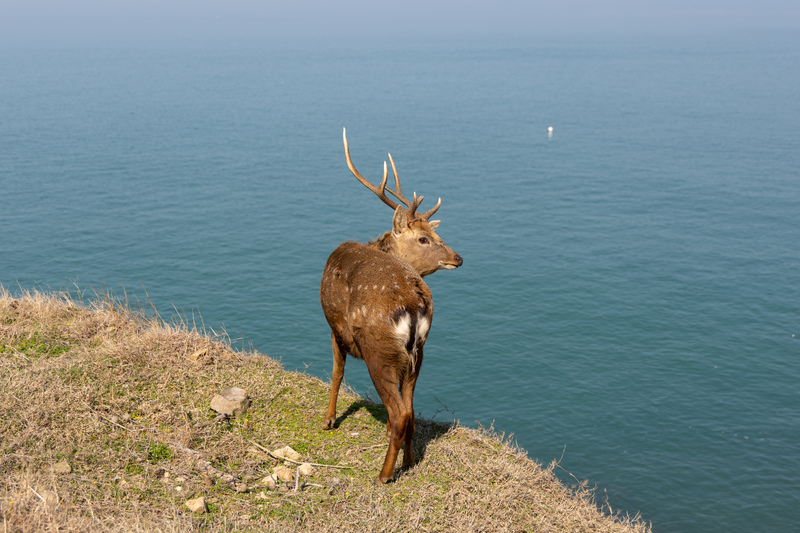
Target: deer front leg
339, 359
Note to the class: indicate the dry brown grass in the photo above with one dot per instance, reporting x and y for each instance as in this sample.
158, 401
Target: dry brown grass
121, 396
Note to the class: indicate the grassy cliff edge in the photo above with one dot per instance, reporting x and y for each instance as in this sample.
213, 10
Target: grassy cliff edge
105, 425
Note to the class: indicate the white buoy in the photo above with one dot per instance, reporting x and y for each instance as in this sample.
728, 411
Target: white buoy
550, 129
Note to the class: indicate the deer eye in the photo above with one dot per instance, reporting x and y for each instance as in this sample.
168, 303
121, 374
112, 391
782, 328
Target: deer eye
423, 240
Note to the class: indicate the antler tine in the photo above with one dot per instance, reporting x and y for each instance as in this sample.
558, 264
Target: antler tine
427, 214
415, 204
397, 193
383, 181
379, 191
412, 206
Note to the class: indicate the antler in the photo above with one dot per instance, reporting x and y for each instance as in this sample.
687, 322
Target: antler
410, 205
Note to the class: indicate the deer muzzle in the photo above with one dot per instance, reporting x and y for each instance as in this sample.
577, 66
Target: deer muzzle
456, 262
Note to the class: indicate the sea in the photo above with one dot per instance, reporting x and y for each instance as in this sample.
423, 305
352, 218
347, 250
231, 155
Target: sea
629, 302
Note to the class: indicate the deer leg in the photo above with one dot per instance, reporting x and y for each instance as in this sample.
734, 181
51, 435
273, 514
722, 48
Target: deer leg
407, 391
398, 424
384, 377
408, 432
339, 359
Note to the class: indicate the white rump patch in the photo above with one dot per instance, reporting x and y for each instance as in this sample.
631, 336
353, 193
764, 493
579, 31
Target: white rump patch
402, 330
423, 326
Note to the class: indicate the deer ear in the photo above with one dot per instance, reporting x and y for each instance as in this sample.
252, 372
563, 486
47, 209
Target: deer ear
399, 220
434, 224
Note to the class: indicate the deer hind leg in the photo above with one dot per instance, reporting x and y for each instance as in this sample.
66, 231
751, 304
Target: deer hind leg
339, 359
407, 391
384, 377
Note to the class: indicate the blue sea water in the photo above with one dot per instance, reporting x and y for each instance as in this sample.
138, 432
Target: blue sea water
629, 302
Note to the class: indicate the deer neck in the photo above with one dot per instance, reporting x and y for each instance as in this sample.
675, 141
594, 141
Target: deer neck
386, 243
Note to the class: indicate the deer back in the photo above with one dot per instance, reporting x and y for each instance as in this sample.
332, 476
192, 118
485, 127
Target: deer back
368, 294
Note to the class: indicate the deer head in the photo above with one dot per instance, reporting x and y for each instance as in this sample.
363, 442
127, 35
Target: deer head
413, 236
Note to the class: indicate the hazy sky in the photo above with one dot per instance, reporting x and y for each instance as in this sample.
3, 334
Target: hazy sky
109, 19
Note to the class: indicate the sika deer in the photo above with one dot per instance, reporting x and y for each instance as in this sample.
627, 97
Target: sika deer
380, 310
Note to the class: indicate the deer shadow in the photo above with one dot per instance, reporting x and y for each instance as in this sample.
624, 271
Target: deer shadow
425, 430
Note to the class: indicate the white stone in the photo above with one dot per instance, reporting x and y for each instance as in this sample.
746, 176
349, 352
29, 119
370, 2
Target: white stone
305, 469
232, 401
286, 453
198, 505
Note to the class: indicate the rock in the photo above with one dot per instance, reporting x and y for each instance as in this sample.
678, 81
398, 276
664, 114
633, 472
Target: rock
61, 468
286, 453
126, 417
198, 354
283, 473
198, 505
270, 482
114, 419
261, 495
305, 469
232, 401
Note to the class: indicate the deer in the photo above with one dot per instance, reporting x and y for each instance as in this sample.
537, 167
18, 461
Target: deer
380, 310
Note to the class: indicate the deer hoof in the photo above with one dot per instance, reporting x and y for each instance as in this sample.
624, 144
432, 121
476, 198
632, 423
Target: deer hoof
380, 480
328, 424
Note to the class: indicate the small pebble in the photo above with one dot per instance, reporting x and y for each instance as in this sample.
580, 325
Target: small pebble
305, 469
